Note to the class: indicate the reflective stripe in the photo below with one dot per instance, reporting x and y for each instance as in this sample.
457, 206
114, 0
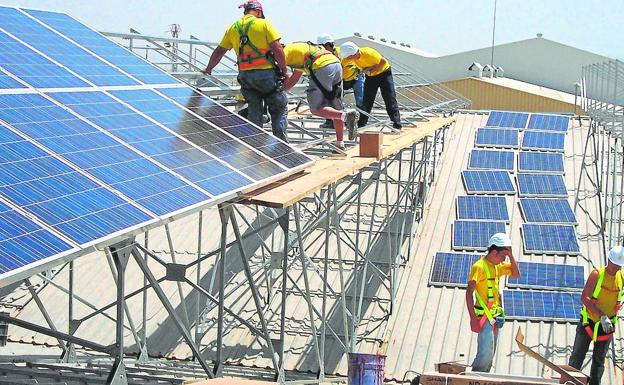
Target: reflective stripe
597, 289
257, 58
487, 308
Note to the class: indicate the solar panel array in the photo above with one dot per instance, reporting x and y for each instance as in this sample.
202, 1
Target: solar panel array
97, 143
544, 291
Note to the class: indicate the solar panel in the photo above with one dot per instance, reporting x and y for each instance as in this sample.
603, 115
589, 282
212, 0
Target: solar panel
497, 137
550, 239
541, 210
491, 160
541, 185
482, 207
474, 235
545, 141
451, 269
82, 165
549, 276
548, 122
538, 305
488, 182
507, 119
548, 162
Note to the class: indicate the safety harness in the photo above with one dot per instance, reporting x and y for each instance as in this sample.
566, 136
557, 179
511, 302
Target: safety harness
314, 53
486, 309
258, 57
593, 333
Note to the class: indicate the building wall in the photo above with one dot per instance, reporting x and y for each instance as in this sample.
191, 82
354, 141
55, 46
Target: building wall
487, 96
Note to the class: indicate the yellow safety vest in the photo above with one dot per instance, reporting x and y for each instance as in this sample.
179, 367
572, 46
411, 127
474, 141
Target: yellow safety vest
495, 311
585, 315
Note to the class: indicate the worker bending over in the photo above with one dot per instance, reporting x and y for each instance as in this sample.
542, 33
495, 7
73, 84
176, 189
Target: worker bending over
324, 91
352, 77
602, 300
261, 65
378, 76
483, 297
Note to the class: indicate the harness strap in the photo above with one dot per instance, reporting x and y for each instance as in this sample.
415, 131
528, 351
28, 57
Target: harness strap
260, 57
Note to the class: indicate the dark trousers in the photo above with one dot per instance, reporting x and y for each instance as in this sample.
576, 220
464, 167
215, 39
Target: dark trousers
385, 82
581, 345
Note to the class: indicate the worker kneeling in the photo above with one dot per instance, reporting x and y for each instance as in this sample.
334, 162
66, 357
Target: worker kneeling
483, 297
324, 91
601, 297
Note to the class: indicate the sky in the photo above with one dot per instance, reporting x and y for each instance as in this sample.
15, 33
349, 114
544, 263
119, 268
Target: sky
437, 26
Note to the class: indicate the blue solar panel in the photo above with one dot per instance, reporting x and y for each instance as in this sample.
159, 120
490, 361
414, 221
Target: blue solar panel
541, 305
507, 119
60, 49
451, 269
542, 185
549, 239
104, 48
482, 207
491, 160
488, 182
22, 241
497, 137
546, 141
549, 276
530, 161
548, 122
547, 210
474, 235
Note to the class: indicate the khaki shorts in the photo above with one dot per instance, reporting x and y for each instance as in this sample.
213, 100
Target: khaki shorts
328, 76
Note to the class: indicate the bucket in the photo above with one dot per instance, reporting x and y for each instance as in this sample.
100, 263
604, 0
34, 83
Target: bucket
4, 330
366, 369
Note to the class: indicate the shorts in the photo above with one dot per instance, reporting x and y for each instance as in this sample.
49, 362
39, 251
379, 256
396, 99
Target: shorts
328, 76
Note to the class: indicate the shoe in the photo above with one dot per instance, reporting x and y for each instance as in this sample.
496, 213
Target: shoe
397, 126
351, 123
340, 147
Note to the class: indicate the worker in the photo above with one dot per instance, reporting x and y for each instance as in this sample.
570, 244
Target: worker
378, 76
602, 300
261, 65
483, 298
324, 91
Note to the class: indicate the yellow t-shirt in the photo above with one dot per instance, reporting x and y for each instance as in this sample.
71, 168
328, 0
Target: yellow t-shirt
478, 275
261, 33
608, 296
368, 58
349, 70
296, 57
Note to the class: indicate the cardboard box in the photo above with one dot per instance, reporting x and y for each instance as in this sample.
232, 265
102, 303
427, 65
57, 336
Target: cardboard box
451, 367
370, 144
476, 379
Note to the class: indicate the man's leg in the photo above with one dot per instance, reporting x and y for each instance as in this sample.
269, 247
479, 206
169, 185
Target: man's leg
253, 97
485, 349
601, 348
581, 345
371, 85
358, 92
278, 109
388, 93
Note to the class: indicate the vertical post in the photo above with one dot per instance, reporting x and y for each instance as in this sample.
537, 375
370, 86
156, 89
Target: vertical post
144, 356
354, 319
198, 313
69, 355
343, 294
328, 208
224, 213
283, 221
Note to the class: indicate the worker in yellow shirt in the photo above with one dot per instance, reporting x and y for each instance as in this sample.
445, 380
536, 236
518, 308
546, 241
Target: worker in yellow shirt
261, 65
483, 297
324, 91
352, 77
378, 76
602, 300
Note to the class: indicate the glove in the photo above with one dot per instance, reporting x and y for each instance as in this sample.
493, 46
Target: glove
606, 324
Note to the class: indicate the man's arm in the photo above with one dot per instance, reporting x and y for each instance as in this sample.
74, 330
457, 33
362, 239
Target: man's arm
278, 54
376, 67
588, 291
470, 299
515, 269
215, 58
292, 80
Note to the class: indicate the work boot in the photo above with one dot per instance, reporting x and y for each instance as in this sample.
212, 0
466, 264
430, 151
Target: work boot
328, 124
397, 126
339, 146
351, 123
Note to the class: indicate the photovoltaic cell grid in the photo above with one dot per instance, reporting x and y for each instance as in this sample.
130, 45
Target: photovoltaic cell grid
549, 239
544, 141
541, 305
482, 208
541, 185
549, 276
546, 162
451, 269
497, 137
488, 182
491, 160
507, 119
548, 122
539, 210
78, 167
474, 235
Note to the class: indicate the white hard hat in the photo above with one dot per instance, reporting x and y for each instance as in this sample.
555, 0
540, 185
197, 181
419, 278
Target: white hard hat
348, 49
324, 38
500, 240
616, 255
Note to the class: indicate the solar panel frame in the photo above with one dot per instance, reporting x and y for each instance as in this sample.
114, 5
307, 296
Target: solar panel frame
542, 234
465, 259
548, 122
468, 204
569, 277
499, 181
547, 210
569, 305
482, 159
486, 137
474, 234
541, 162
541, 185
507, 119
543, 141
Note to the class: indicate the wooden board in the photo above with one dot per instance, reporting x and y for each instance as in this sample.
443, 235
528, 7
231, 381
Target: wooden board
286, 192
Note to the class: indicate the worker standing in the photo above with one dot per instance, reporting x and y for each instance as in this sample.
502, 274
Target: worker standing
378, 76
324, 93
483, 298
261, 65
602, 300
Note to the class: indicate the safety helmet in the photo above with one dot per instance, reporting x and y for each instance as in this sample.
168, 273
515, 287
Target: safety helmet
348, 49
616, 255
324, 38
252, 4
500, 240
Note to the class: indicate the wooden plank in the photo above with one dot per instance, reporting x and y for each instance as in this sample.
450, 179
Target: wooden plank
288, 191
